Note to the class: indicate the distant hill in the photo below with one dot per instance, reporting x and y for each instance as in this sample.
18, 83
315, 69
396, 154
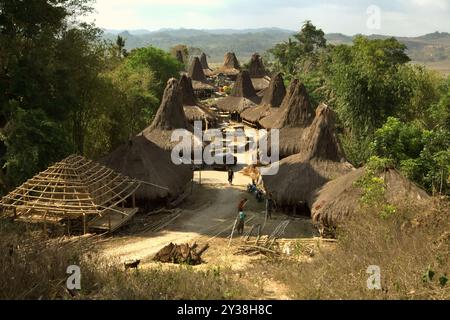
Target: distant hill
431, 49
214, 42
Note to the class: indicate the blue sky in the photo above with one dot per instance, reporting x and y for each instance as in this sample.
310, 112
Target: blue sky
396, 17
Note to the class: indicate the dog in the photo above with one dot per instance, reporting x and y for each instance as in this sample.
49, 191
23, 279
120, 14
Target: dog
132, 264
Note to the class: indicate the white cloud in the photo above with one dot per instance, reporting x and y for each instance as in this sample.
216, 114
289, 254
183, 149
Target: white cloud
436, 4
399, 17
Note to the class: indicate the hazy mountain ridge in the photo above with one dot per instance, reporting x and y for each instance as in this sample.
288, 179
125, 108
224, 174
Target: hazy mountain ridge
429, 48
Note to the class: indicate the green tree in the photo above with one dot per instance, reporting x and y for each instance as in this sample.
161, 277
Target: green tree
120, 45
302, 53
43, 49
161, 63
364, 79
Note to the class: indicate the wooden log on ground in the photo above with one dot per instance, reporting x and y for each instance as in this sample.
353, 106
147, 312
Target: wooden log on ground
181, 254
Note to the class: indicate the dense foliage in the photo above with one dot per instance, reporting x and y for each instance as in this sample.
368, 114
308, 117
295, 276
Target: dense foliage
386, 106
64, 90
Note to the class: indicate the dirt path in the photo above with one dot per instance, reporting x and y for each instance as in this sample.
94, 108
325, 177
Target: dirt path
207, 216
210, 210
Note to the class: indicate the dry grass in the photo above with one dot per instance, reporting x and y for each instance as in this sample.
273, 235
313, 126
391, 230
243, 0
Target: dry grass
407, 250
35, 268
412, 250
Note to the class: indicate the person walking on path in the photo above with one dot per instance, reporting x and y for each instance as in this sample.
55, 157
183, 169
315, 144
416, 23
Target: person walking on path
230, 176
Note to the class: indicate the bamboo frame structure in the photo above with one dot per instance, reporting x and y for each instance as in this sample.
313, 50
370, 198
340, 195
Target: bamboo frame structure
75, 188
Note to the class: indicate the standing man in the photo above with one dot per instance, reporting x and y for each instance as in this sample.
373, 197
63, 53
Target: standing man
230, 176
242, 216
269, 206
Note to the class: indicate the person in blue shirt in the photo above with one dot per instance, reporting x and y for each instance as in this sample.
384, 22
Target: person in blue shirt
242, 217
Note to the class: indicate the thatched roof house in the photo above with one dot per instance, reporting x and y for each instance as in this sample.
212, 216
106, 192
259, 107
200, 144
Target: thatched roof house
258, 74
202, 87
74, 189
295, 111
340, 198
170, 117
292, 118
193, 110
199, 82
243, 96
206, 69
231, 67
142, 159
272, 99
320, 161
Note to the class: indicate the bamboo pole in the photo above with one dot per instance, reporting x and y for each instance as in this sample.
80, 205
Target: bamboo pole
84, 224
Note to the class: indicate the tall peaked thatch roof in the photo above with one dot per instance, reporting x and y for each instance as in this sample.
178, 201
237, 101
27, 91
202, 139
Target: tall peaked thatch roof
197, 74
196, 71
193, 110
256, 67
204, 61
295, 112
243, 86
272, 99
170, 117
73, 188
231, 61
143, 160
243, 95
206, 69
321, 141
293, 117
340, 198
320, 161
187, 92
277, 91
231, 66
